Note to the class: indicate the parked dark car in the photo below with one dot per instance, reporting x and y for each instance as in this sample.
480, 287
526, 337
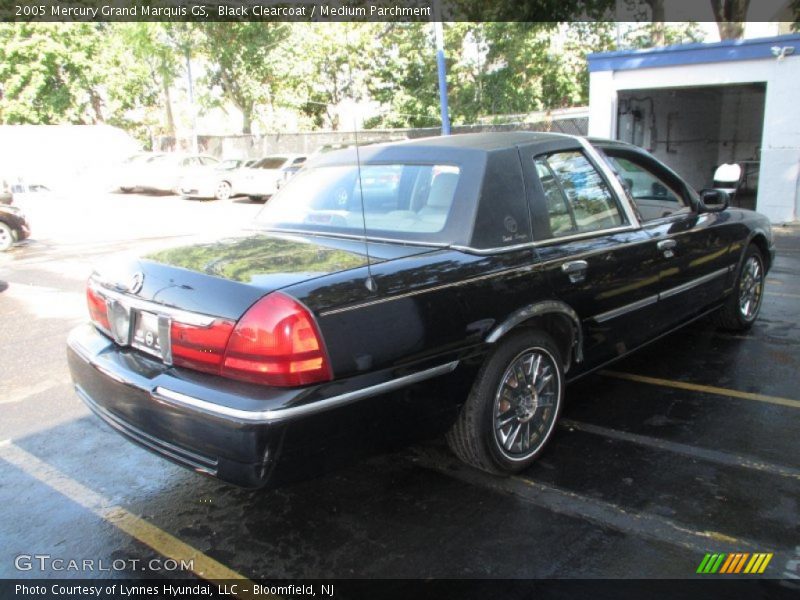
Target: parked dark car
485, 274
13, 226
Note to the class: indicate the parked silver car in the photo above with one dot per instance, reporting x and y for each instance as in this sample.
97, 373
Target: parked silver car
263, 178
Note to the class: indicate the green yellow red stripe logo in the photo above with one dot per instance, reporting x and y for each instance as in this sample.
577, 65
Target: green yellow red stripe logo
734, 563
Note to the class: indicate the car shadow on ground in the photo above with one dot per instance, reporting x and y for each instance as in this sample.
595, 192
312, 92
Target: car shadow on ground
140, 192
247, 200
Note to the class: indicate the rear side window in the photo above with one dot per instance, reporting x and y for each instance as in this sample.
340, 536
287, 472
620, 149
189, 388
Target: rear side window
577, 198
274, 162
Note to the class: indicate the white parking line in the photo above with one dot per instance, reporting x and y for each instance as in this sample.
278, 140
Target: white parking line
137, 527
725, 458
600, 512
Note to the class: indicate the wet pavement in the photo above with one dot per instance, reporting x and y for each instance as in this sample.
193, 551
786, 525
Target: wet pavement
687, 447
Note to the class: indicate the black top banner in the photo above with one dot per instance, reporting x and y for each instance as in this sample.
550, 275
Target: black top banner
322, 11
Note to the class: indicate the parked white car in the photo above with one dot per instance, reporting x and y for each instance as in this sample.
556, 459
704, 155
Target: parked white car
263, 178
221, 182
131, 171
163, 172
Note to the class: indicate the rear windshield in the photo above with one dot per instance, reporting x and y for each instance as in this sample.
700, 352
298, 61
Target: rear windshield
398, 199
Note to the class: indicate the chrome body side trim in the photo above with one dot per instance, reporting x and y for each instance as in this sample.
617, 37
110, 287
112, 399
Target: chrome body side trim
168, 396
693, 283
678, 289
623, 310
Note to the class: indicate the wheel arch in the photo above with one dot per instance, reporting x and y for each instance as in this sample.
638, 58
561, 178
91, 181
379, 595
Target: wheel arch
760, 240
553, 316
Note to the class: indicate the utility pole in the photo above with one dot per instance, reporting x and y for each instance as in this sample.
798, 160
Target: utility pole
192, 110
441, 67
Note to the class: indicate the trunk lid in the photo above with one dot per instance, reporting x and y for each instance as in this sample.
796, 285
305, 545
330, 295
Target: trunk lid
225, 277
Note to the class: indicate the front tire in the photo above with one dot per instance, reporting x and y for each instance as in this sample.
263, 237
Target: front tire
7, 238
742, 307
223, 190
513, 406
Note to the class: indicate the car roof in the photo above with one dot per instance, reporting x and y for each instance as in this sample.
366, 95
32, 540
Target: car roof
491, 140
462, 147
609, 143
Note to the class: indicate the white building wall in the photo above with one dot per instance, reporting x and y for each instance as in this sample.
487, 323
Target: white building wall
779, 175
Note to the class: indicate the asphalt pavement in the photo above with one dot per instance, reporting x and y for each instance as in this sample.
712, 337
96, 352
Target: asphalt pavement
688, 447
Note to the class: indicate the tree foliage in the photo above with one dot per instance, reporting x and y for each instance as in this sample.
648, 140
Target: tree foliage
247, 73
48, 73
135, 74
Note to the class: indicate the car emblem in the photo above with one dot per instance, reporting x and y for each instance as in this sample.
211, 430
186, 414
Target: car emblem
137, 281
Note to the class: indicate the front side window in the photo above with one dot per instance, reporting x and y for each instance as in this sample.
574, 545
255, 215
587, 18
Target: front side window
577, 198
654, 196
397, 199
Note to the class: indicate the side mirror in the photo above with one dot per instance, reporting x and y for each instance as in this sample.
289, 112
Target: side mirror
714, 200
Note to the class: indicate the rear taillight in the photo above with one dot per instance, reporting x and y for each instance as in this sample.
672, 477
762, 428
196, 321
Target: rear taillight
200, 348
98, 311
277, 342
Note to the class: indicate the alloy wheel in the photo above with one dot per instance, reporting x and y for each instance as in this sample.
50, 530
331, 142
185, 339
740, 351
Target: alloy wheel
6, 237
223, 191
751, 288
525, 404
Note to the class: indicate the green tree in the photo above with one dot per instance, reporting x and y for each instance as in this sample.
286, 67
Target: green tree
403, 77
49, 73
330, 64
85, 73
138, 73
245, 63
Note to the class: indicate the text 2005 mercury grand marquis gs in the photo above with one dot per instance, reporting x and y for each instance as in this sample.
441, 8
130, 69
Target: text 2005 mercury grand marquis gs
451, 284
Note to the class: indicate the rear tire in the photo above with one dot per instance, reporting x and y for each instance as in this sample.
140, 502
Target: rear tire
513, 406
743, 305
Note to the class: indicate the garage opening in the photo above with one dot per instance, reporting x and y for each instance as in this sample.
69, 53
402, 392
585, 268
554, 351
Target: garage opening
695, 130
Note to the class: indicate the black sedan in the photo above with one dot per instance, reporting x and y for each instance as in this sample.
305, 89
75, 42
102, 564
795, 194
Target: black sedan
448, 285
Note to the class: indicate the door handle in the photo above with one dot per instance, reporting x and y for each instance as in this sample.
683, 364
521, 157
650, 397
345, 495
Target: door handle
576, 270
667, 247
